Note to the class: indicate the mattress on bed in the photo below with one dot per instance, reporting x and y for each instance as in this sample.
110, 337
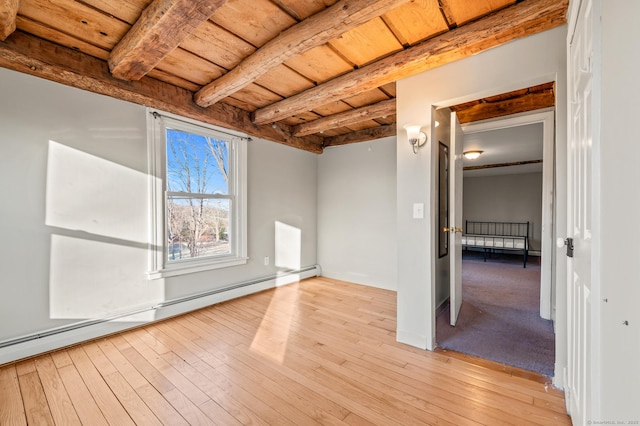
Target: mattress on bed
494, 241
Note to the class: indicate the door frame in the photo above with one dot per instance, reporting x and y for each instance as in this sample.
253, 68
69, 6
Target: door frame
547, 118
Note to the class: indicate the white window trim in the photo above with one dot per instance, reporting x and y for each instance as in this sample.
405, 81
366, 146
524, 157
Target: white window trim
156, 149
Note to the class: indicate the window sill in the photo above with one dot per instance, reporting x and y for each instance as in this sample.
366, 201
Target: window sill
192, 267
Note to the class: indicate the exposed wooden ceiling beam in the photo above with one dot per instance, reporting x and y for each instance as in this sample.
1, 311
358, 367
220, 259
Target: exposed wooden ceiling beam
369, 112
493, 166
311, 32
8, 13
163, 25
542, 96
31, 55
361, 135
521, 20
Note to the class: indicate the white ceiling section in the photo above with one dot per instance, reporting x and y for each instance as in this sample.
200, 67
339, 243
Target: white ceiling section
509, 145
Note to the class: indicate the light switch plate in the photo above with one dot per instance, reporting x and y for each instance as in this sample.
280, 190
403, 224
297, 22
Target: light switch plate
418, 210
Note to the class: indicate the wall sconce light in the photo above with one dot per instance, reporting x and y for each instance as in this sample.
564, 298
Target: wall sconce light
472, 155
416, 137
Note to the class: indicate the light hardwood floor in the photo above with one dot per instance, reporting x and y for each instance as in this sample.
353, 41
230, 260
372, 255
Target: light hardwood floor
317, 352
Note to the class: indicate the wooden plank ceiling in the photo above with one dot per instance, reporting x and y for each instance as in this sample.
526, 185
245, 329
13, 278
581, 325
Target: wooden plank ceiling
305, 73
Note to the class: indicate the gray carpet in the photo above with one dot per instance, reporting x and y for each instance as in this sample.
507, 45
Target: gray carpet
500, 315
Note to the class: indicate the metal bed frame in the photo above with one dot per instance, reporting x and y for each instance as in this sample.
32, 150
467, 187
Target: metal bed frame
490, 236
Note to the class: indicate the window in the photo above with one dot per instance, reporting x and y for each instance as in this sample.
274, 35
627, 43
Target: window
198, 196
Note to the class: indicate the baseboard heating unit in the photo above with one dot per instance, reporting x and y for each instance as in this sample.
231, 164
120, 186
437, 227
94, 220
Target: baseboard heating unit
48, 340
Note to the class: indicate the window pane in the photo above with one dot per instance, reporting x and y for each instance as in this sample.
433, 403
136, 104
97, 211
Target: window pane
197, 227
197, 164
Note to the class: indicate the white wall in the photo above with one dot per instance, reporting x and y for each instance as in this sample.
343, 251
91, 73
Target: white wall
506, 198
619, 208
72, 175
357, 213
519, 64
74, 220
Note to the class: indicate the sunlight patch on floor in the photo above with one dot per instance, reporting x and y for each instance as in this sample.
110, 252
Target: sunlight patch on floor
272, 336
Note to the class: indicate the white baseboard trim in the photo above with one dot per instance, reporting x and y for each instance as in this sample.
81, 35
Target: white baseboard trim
359, 279
413, 339
442, 306
49, 340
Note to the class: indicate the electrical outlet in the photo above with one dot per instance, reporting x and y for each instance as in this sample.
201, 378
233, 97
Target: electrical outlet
266, 261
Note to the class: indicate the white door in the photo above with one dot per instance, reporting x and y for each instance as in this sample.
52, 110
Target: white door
579, 224
455, 217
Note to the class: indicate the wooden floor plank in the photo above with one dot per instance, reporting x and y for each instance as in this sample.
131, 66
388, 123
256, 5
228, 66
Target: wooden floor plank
148, 371
58, 399
160, 406
126, 394
205, 377
122, 364
324, 390
195, 395
130, 400
150, 395
334, 363
61, 359
108, 403
405, 388
321, 351
274, 411
339, 359
187, 408
25, 367
317, 365
225, 396
85, 406
211, 390
11, 408
287, 384
35, 402
314, 405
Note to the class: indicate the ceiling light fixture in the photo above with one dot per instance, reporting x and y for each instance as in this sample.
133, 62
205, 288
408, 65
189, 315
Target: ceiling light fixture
416, 137
472, 155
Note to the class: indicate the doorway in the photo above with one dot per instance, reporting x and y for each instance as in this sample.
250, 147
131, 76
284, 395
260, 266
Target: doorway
528, 286
547, 119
